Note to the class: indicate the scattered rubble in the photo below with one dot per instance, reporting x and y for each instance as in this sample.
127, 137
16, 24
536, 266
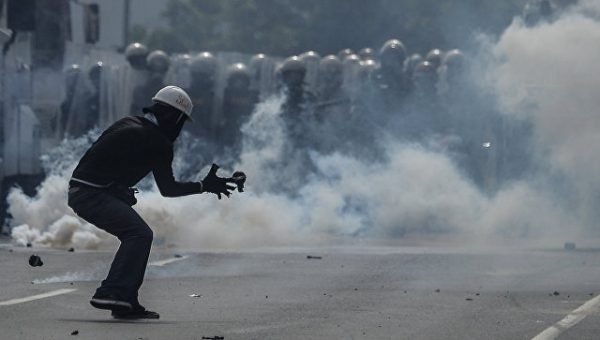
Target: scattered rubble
35, 261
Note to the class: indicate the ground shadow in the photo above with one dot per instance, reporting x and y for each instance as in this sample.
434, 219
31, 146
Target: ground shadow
144, 322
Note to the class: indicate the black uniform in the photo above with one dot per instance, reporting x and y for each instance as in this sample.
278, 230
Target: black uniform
124, 154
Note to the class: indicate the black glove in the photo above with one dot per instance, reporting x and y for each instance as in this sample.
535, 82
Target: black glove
215, 184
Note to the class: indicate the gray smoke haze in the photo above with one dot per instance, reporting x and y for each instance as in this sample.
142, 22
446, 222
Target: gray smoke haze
549, 72
546, 75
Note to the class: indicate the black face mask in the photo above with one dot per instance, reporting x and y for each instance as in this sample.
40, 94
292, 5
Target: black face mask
171, 125
170, 120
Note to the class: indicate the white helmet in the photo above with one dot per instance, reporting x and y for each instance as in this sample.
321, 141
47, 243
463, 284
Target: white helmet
175, 97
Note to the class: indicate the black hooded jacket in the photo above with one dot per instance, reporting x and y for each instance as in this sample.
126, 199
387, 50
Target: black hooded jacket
126, 152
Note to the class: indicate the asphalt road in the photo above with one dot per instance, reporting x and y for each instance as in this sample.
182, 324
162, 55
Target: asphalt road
350, 293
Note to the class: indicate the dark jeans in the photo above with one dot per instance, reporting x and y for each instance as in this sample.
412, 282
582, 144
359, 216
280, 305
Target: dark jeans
108, 213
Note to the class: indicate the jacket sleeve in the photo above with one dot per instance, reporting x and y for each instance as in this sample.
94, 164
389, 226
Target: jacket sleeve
167, 185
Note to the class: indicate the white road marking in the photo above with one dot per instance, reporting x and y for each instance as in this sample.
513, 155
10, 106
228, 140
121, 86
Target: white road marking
167, 261
570, 320
37, 297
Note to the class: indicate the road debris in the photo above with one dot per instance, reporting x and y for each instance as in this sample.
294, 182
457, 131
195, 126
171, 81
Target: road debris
216, 337
35, 261
177, 256
196, 295
556, 293
469, 299
310, 257
75, 332
570, 246
437, 290
70, 250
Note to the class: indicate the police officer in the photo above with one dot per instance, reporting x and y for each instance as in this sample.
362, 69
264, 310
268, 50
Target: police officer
330, 77
95, 76
238, 103
203, 69
157, 64
73, 83
435, 58
451, 73
81, 108
351, 67
389, 80
367, 67
137, 75
99, 192
261, 70
311, 61
410, 64
298, 100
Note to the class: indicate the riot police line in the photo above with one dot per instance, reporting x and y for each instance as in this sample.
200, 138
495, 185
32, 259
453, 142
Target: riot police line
332, 103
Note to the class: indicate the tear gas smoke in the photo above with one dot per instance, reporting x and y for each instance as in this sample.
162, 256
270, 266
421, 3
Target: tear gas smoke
70, 277
549, 73
544, 74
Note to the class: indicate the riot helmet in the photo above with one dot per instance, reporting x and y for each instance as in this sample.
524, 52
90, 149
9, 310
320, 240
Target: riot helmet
435, 57
392, 55
366, 53
293, 71
344, 53
136, 54
238, 76
158, 61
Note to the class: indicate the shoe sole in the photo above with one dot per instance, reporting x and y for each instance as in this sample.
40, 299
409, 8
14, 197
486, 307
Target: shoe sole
135, 317
112, 305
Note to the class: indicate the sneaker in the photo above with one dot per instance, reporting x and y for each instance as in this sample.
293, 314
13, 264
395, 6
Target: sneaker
110, 302
138, 312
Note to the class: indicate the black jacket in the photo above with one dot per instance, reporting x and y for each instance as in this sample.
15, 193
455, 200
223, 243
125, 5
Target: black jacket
126, 152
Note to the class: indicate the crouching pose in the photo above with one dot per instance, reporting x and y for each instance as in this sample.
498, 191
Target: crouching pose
100, 192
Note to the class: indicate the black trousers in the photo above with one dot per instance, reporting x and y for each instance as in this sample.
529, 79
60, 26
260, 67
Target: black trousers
108, 213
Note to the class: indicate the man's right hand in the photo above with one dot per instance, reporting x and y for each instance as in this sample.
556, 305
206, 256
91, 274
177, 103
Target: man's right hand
215, 184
